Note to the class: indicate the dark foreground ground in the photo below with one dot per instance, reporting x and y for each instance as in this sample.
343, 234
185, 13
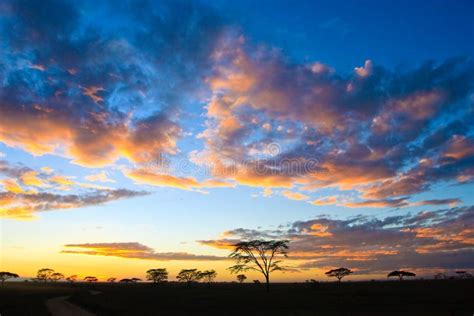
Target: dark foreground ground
447, 297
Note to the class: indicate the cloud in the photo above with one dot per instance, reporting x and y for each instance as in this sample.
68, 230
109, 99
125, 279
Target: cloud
442, 239
150, 177
27, 192
101, 95
376, 131
378, 203
325, 201
26, 205
133, 250
99, 177
294, 195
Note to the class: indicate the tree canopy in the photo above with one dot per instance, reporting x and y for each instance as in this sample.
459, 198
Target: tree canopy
44, 274
339, 273
157, 275
401, 274
259, 255
189, 275
208, 275
241, 278
56, 276
4, 275
91, 279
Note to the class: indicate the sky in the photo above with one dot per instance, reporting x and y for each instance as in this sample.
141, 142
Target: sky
157, 134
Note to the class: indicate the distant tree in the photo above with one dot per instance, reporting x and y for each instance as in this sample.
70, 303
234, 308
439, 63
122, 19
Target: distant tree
339, 273
401, 274
208, 275
126, 281
259, 255
111, 280
241, 278
135, 280
44, 275
189, 276
256, 281
440, 276
7, 275
91, 279
72, 278
463, 274
56, 276
157, 275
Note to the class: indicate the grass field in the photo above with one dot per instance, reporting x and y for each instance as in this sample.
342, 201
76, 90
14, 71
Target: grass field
447, 297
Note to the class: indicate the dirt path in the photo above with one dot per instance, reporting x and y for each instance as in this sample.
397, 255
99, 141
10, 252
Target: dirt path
59, 306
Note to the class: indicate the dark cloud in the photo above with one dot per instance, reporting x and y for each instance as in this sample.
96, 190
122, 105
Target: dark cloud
442, 239
27, 191
101, 81
387, 133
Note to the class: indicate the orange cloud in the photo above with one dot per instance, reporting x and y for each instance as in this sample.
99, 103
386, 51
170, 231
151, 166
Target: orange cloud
294, 195
30, 178
99, 177
185, 183
325, 201
12, 185
133, 250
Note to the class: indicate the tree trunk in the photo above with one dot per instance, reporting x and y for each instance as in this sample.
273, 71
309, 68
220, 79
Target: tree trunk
267, 284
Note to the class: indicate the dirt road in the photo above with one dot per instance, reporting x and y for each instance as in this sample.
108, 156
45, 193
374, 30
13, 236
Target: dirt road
59, 306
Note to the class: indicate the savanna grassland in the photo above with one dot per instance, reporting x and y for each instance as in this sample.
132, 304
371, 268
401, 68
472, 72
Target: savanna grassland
419, 297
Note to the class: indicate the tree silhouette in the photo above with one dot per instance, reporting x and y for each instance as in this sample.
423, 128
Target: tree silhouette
208, 275
72, 278
189, 276
401, 274
135, 280
463, 274
111, 280
440, 275
241, 278
44, 274
259, 255
339, 273
7, 275
91, 279
126, 281
56, 276
157, 275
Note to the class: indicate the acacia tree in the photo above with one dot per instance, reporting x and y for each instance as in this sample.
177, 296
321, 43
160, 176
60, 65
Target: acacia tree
91, 279
72, 278
463, 274
259, 255
4, 275
44, 274
126, 281
135, 280
208, 275
400, 274
56, 276
111, 280
241, 278
157, 275
189, 276
339, 273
